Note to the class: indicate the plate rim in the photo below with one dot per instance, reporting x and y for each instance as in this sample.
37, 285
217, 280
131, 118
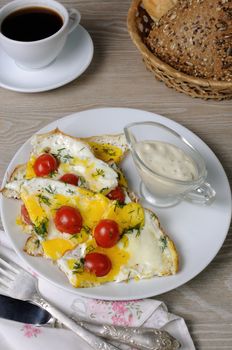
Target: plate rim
80, 291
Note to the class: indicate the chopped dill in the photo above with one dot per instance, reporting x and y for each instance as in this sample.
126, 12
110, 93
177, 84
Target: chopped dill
52, 174
61, 156
66, 157
90, 249
41, 229
78, 266
49, 189
70, 191
44, 199
130, 212
86, 228
59, 151
99, 172
118, 204
129, 230
81, 181
105, 189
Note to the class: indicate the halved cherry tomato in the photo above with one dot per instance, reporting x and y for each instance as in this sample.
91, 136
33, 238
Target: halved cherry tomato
106, 233
117, 194
25, 215
97, 263
45, 164
68, 220
71, 179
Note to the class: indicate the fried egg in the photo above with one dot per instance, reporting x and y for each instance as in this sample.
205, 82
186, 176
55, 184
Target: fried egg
43, 197
139, 254
76, 156
143, 250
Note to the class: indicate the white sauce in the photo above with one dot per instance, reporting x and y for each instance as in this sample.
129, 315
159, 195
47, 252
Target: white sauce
166, 160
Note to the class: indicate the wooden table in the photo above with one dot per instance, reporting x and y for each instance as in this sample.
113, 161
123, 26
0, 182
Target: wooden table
118, 78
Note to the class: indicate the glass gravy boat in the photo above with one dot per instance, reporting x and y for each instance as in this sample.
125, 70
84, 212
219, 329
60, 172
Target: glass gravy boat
170, 168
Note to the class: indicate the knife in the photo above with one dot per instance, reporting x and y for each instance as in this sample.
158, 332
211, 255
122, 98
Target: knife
22, 311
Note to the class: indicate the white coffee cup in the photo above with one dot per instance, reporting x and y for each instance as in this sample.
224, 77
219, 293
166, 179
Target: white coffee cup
38, 54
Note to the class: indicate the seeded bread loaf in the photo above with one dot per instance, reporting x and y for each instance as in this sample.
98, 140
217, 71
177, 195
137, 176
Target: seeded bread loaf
195, 37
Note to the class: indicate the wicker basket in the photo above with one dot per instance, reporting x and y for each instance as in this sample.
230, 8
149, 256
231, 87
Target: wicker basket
195, 87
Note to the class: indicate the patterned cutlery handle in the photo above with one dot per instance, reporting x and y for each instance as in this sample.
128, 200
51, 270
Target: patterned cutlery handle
93, 340
140, 338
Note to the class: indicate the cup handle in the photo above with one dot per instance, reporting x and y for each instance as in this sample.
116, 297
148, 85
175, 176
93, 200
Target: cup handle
74, 19
203, 194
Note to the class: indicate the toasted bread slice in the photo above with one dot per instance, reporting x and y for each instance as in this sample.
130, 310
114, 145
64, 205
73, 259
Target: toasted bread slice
105, 147
33, 246
140, 229
170, 260
109, 148
18, 174
148, 252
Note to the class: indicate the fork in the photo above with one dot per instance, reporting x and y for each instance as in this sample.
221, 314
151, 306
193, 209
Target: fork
20, 284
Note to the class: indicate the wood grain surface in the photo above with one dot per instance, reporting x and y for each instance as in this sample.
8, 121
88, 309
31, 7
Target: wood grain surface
117, 78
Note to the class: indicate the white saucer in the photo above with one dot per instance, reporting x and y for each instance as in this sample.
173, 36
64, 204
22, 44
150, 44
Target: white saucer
70, 64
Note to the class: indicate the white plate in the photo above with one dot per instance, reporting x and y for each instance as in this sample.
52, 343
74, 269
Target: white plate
70, 64
197, 231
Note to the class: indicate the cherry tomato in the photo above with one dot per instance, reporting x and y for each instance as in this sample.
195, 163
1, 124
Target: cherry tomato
117, 194
106, 233
45, 164
68, 220
25, 215
71, 179
97, 263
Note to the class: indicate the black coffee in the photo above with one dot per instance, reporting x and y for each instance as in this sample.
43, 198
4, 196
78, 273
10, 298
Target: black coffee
31, 24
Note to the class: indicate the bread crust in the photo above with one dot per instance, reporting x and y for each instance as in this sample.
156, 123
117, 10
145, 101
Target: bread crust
195, 37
